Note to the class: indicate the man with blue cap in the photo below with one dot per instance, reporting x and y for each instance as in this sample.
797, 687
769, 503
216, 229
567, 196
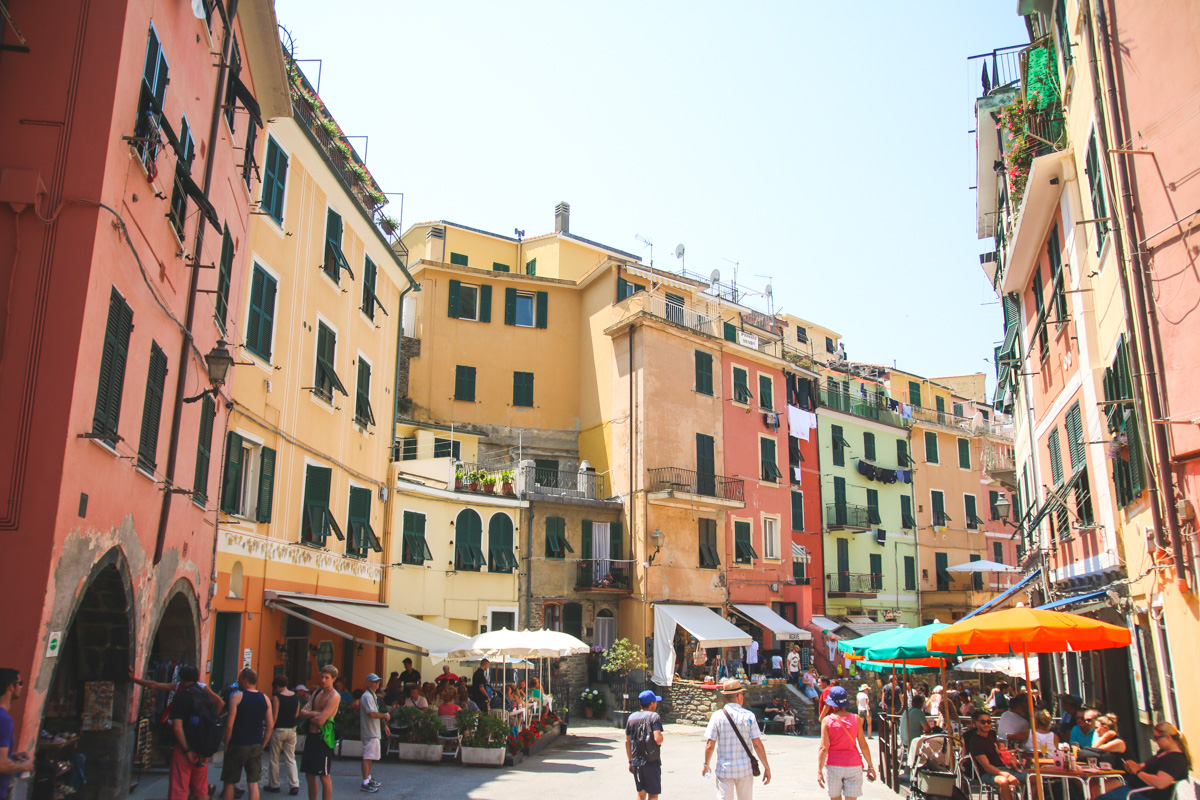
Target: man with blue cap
643, 743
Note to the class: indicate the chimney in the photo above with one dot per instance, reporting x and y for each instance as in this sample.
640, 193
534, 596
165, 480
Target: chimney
562, 217
435, 243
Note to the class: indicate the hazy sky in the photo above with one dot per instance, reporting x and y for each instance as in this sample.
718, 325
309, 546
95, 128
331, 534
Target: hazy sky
823, 147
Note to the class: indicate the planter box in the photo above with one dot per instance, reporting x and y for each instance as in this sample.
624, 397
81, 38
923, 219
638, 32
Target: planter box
430, 753
350, 748
544, 741
483, 756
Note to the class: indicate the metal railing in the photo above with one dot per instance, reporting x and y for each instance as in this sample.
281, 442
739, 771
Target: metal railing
470, 477
873, 406
699, 320
999, 68
604, 573
853, 582
564, 483
844, 515
998, 459
677, 479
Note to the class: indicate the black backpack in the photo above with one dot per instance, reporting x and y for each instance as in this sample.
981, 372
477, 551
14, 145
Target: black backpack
203, 728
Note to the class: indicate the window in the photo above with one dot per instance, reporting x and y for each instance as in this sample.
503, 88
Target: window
910, 573
941, 562
326, 379
704, 373
370, 300
939, 403
938, 501
1063, 37
931, 447
766, 393
177, 215
150, 103
801, 334
1040, 304
902, 458
208, 414
531, 267
358, 524
709, 554
552, 617
743, 550
958, 407
741, 386
627, 289
770, 537
914, 394
964, 453
470, 302
907, 520
274, 180
224, 277
414, 549
1122, 420
113, 356
977, 577
447, 448
498, 267
557, 545
970, 512
545, 472
468, 541
829, 346
706, 465
1075, 446
523, 389
248, 486
250, 167
800, 572
260, 322
363, 414
873, 507
876, 565
1056, 470
869, 446
572, 618
156, 379
408, 448
1058, 295
235, 66
1096, 189
730, 332
766, 449
840, 446
674, 308
998, 552
993, 498
317, 522
520, 308
459, 259
464, 384
500, 544
798, 511
335, 259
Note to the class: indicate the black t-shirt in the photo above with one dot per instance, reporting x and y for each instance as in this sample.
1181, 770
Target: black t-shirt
288, 706
1174, 764
478, 692
640, 729
183, 703
892, 700
410, 677
980, 745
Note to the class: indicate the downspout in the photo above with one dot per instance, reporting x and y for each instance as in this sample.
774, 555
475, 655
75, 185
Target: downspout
164, 514
388, 524
529, 568
1150, 360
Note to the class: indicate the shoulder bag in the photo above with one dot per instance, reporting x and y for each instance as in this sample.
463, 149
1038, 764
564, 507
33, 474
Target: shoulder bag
753, 761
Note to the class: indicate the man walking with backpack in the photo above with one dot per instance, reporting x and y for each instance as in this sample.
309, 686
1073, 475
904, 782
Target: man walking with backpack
197, 731
643, 743
247, 729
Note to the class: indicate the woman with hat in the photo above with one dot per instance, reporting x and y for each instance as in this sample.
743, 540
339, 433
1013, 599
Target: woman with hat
864, 707
843, 749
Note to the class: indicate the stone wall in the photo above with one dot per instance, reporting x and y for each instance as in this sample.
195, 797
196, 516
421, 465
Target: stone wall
690, 705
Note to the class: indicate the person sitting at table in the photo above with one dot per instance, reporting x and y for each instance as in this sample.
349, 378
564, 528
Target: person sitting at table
394, 682
966, 703
1084, 732
984, 748
1161, 771
913, 722
465, 701
1106, 737
449, 706
1013, 727
1070, 706
522, 693
1046, 740
415, 700
446, 677
535, 690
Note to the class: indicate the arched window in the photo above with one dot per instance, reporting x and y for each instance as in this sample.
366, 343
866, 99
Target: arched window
552, 617
500, 544
572, 619
235, 580
468, 541
606, 629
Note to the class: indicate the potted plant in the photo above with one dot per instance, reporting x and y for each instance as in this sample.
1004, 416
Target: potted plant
488, 482
592, 702
388, 225
506, 482
622, 657
347, 729
419, 734
483, 738
460, 475
473, 479
330, 127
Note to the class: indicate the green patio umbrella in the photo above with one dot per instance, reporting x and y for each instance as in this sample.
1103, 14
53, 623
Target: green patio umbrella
906, 643
878, 666
855, 647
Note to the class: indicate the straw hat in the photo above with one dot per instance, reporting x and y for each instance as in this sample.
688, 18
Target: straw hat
732, 686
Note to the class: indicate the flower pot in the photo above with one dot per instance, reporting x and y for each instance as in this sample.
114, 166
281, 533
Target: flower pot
350, 748
587, 712
507, 488
489, 488
431, 753
474, 487
483, 756
458, 484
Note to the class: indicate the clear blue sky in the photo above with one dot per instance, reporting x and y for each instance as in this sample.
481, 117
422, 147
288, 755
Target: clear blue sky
825, 146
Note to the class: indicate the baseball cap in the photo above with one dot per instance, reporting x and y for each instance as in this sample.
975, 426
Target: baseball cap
647, 697
300, 688
837, 697
372, 677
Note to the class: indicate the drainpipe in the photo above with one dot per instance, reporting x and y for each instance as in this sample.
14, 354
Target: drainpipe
388, 524
529, 567
185, 346
1151, 349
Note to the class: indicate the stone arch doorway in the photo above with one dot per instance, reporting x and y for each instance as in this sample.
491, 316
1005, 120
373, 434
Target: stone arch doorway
89, 688
175, 642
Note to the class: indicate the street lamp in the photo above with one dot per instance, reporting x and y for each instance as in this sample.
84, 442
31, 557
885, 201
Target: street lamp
1003, 506
657, 538
218, 361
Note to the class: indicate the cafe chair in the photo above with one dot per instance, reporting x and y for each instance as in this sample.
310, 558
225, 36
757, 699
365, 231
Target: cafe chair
968, 775
449, 738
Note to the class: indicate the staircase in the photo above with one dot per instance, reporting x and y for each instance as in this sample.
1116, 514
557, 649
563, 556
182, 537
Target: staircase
806, 711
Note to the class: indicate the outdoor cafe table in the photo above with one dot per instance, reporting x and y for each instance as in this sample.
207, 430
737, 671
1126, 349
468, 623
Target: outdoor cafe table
1085, 775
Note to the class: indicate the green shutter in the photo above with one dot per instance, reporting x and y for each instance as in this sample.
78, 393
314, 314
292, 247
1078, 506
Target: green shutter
464, 384
730, 332
233, 473
902, 459
1075, 446
572, 619
744, 552
704, 372
498, 267
993, 497
156, 379
485, 302
876, 561
873, 507
869, 446
1134, 449
616, 540
741, 386
906, 516
964, 453
766, 392
510, 306
208, 414
260, 324
941, 562
543, 302
998, 552
531, 267
452, 294
839, 449
458, 259
224, 277
274, 180
940, 403
971, 512
798, 512
586, 547
362, 396
976, 577
910, 573
358, 521
523, 389
938, 502
839, 491
1056, 470
315, 514
931, 448
914, 394
113, 356
266, 485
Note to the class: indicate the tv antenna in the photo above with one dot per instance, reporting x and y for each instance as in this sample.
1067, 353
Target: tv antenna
648, 243
679, 251
735, 272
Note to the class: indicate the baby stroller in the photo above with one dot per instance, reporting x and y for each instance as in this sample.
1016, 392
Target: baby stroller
931, 767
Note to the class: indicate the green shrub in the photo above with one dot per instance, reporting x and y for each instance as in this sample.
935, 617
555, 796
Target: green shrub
480, 729
418, 725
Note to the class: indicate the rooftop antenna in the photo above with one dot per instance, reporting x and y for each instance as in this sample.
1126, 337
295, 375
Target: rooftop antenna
735, 272
679, 251
770, 293
648, 243
520, 234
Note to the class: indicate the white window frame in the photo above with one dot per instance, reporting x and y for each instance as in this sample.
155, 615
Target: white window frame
770, 529
475, 288
532, 298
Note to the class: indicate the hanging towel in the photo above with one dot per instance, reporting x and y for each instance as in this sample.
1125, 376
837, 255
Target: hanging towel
809, 419
893, 405
796, 473
887, 475
862, 467
800, 422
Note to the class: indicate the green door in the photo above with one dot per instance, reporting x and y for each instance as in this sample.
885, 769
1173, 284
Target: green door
706, 466
843, 565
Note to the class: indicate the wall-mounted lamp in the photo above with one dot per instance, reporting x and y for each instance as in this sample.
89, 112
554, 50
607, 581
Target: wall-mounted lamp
1003, 507
313, 650
360, 649
218, 360
657, 538
280, 647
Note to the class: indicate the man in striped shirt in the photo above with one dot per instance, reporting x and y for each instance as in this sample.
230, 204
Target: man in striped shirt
735, 775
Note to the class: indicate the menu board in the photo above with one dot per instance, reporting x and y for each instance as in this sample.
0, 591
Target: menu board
97, 706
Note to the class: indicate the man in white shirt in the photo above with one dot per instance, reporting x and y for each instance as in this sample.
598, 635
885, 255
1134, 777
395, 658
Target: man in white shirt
776, 665
793, 663
1014, 723
415, 699
735, 774
752, 657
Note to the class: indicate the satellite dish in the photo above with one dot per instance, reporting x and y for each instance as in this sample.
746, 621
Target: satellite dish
679, 251
715, 276
198, 10
770, 291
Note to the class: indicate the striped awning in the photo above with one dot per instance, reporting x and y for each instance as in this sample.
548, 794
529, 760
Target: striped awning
654, 277
800, 553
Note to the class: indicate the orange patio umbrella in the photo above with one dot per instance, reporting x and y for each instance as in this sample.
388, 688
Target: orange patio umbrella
1028, 630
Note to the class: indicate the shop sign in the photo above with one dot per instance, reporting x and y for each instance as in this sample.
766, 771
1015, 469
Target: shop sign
53, 644
246, 656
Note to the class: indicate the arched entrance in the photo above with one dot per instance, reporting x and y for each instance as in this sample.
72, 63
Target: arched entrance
88, 701
175, 643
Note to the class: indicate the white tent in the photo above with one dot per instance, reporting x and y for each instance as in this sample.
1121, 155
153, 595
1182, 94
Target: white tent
982, 566
709, 628
1005, 665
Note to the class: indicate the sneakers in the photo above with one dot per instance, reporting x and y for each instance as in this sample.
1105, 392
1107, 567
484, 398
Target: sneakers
366, 787
295, 790
274, 789
374, 782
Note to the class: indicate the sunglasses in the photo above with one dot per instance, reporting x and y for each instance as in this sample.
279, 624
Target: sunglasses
984, 722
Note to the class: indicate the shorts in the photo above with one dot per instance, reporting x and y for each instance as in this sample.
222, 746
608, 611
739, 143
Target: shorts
990, 780
317, 756
371, 749
239, 758
648, 777
844, 781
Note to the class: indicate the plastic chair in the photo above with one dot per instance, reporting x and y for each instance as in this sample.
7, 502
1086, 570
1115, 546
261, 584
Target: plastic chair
968, 773
449, 738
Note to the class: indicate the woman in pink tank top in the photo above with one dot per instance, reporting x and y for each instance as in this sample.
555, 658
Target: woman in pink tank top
844, 749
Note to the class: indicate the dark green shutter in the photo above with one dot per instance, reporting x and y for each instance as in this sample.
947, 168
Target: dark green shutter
941, 561
705, 459
902, 459
839, 491
931, 448
730, 332
1134, 449
998, 552
358, 520
914, 394
156, 379
485, 302
260, 324
1056, 470
452, 293
586, 547
458, 259
315, 514
1075, 446
224, 277
766, 392
274, 180
876, 560
572, 618
233, 473
993, 497
938, 501
798, 512
543, 302
839, 451
869, 446
498, 267
510, 306
112, 365
523, 389
266, 485
940, 403
873, 507
977, 577
363, 413
704, 376
208, 414
464, 384
971, 513
964, 453
531, 267
906, 515
616, 540
910, 573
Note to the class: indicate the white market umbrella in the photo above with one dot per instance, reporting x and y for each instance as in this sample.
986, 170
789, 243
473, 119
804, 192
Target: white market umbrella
501, 642
1010, 666
982, 566
562, 644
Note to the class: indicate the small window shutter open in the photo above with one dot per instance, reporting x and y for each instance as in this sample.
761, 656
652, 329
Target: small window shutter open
730, 332
233, 473
510, 306
543, 302
585, 551
112, 365
266, 485
152, 408
453, 299
208, 413
485, 302
798, 511
616, 537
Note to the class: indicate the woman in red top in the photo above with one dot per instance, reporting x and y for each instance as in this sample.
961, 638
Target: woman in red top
843, 749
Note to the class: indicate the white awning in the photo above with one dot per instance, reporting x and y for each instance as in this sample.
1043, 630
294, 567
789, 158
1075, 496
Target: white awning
709, 628
825, 624
779, 627
800, 553
431, 639
659, 279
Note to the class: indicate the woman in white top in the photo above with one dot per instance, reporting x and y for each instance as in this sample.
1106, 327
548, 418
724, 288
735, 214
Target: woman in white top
1047, 741
864, 707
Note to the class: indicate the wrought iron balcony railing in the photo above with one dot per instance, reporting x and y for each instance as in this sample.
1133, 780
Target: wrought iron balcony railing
677, 479
845, 515
604, 574
853, 583
872, 406
565, 483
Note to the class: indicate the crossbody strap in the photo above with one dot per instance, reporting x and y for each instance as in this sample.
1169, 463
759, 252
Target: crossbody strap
737, 733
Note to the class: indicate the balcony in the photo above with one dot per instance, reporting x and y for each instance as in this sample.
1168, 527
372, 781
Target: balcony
873, 406
571, 484
853, 584
845, 516
999, 464
699, 320
604, 575
683, 487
